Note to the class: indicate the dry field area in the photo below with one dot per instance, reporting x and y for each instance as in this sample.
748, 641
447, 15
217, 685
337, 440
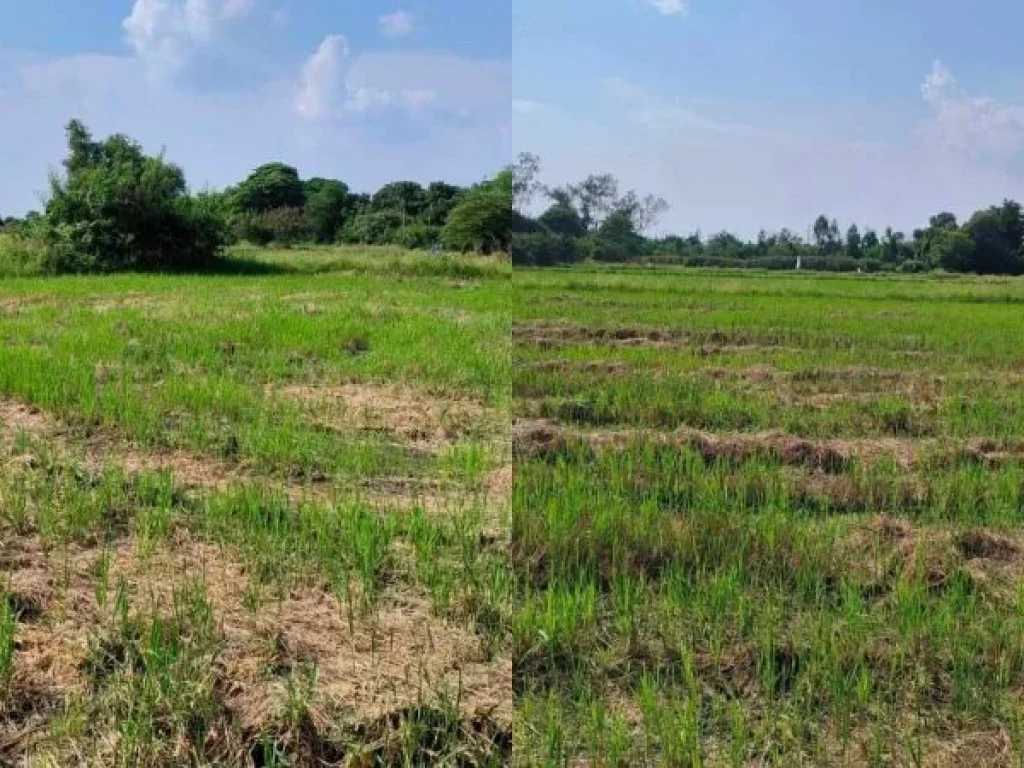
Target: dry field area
257, 519
766, 519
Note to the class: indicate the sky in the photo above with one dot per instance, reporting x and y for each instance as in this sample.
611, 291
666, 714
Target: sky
366, 91
751, 114
743, 114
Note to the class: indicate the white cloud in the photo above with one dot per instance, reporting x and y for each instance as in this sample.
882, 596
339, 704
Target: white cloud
669, 7
163, 33
397, 24
322, 78
975, 125
200, 128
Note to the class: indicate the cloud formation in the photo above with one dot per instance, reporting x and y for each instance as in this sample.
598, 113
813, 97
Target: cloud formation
669, 7
397, 24
163, 33
975, 125
322, 78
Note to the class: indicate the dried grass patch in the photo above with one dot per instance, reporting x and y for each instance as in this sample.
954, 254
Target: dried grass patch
420, 419
399, 657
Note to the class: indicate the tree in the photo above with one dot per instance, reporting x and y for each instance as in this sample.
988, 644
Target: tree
524, 181
563, 220
117, 208
617, 239
953, 250
274, 185
438, 201
823, 235
854, 243
998, 235
407, 198
644, 212
482, 221
328, 206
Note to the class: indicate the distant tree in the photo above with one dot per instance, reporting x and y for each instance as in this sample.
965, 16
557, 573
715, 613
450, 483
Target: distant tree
438, 201
525, 184
617, 239
822, 234
953, 250
998, 235
328, 206
644, 212
593, 198
482, 221
854, 243
407, 198
563, 220
274, 185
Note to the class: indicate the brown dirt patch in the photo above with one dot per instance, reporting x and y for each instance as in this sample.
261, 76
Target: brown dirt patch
368, 667
105, 449
419, 419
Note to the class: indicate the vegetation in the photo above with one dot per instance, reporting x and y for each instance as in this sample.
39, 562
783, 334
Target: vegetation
592, 221
765, 519
257, 518
116, 209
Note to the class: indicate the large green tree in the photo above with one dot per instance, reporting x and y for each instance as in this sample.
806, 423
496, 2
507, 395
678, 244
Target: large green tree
274, 185
482, 221
117, 208
328, 206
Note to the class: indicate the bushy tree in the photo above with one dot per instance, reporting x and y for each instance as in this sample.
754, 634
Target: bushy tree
998, 235
563, 220
438, 201
274, 185
328, 206
482, 221
617, 239
407, 198
116, 208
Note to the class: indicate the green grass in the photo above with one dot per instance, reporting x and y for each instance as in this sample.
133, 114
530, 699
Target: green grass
179, 599
680, 605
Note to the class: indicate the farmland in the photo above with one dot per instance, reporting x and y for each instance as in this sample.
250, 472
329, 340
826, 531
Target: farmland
767, 519
258, 517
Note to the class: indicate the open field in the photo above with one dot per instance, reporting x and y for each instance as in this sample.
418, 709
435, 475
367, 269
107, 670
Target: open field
257, 518
767, 519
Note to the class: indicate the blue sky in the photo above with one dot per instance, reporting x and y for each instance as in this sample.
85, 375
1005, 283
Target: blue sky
748, 113
363, 90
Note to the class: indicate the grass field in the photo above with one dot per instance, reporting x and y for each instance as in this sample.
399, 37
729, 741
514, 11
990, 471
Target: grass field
258, 518
263, 517
767, 519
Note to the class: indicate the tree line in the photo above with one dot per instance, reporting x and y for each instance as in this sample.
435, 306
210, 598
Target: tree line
113, 207
591, 220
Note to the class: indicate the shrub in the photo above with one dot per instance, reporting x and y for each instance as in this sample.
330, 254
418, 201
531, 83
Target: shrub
417, 237
371, 228
118, 209
482, 221
544, 250
284, 226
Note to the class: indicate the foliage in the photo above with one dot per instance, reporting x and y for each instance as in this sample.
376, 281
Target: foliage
284, 226
482, 221
274, 185
544, 249
116, 208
